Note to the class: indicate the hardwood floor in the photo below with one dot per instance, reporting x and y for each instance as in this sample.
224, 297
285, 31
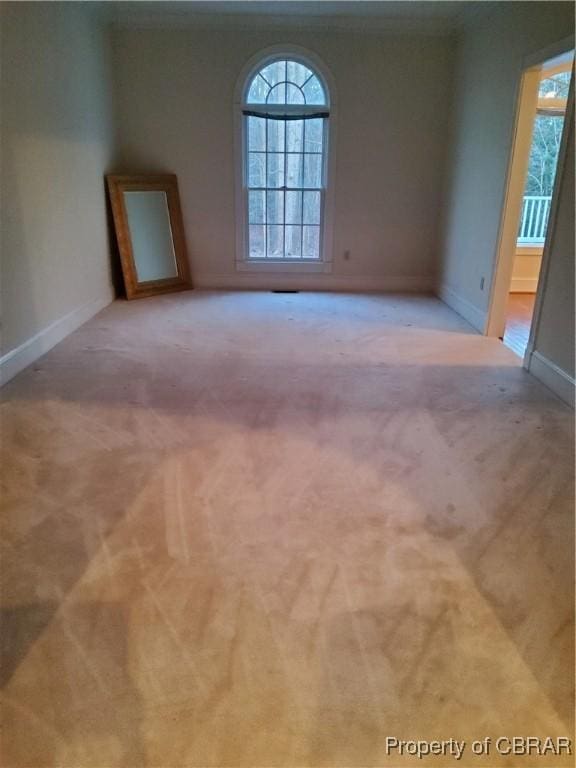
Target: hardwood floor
518, 321
254, 530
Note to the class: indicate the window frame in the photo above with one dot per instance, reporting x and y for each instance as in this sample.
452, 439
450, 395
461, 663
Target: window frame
288, 265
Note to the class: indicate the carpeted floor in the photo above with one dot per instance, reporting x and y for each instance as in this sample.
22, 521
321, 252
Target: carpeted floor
251, 529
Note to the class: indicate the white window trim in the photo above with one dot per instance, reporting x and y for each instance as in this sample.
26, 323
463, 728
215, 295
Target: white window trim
299, 266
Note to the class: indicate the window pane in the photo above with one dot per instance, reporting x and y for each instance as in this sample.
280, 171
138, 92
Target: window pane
314, 92
275, 242
543, 157
294, 95
311, 243
555, 87
256, 169
312, 171
294, 208
293, 242
275, 170
294, 170
256, 134
258, 91
314, 135
256, 208
275, 72
285, 156
311, 207
275, 209
297, 73
257, 242
277, 95
275, 135
294, 135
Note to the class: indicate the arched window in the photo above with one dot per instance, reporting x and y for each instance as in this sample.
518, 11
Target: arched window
286, 109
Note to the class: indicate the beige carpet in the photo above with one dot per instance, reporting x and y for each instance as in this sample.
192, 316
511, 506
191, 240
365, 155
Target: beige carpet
251, 529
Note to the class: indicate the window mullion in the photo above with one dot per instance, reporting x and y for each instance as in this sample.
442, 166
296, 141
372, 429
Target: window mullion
302, 196
284, 112
284, 198
265, 188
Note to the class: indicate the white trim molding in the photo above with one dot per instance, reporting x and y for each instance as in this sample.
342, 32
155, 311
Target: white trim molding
476, 317
524, 285
27, 353
530, 250
553, 377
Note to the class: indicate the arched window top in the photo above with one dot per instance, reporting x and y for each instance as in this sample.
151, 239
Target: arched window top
286, 82
556, 86
284, 101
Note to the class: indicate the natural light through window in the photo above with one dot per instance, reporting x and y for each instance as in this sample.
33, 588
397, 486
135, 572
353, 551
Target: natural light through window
543, 158
286, 125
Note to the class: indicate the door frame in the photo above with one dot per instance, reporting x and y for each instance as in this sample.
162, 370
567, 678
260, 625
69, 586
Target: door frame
545, 266
526, 106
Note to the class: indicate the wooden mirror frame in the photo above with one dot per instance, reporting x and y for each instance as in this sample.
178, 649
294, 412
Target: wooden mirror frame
166, 182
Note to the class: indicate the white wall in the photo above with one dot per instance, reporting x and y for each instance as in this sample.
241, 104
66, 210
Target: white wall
56, 144
175, 113
174, 90
489, 62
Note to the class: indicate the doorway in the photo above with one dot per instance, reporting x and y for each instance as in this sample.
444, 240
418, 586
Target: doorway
535, 156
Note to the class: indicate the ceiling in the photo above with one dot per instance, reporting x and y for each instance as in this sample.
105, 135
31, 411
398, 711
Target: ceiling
372, 8
426, 15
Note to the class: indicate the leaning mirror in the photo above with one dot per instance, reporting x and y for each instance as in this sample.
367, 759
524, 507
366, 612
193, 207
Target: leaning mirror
150, 233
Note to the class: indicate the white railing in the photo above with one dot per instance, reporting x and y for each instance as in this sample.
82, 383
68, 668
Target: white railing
534, 219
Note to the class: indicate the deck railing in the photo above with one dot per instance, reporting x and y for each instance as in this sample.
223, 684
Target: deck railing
534, 219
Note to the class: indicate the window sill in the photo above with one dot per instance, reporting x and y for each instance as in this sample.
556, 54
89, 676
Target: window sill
283, 265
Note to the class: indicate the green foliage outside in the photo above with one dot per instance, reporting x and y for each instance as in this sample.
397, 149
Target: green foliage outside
544, 155
546, 138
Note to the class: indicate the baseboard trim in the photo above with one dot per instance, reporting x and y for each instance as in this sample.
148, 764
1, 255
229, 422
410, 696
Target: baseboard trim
312, 282
560, 382
524, 285
27, 353
476, 317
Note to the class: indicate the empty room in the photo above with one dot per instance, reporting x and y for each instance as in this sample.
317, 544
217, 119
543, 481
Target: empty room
284, 480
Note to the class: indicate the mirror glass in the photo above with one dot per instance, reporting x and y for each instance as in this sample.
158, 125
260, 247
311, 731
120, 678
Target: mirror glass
151, 235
